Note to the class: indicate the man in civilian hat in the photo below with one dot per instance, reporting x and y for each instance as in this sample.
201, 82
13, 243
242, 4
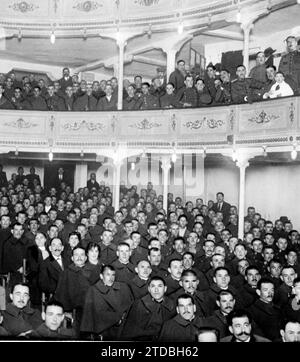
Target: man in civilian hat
269, 61
290, 64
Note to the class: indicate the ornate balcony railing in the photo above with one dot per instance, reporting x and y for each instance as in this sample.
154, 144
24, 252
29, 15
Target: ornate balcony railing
273, 122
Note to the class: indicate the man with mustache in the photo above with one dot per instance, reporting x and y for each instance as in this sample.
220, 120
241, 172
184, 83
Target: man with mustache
226, 302
240, 326
52, 267
19, 319
183, 327
290, 64
264, 312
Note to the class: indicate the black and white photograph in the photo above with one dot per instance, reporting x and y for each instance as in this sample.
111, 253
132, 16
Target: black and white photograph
149, 175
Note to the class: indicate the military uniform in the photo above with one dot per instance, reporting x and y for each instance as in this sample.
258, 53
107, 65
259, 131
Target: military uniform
55, 103
105, 309
250, 88
146, 317
107, 105
148, 101
168, 101
290, 67
179, 329
60, 334
85, 103
17, 321
177, 79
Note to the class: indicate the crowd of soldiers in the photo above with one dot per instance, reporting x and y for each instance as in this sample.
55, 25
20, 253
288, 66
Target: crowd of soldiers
181, 90
72, 267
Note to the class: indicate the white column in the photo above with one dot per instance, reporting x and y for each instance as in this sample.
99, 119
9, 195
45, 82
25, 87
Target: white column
165, 165
247, 30
171, 61
116, 184
81, 173
121, 45
242, 164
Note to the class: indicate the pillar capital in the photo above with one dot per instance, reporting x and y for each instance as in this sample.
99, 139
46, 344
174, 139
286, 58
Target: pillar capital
175, 42
242, 163
165, 163
247, 26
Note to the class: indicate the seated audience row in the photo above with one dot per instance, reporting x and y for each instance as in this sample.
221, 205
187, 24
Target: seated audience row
183, 89
142, 273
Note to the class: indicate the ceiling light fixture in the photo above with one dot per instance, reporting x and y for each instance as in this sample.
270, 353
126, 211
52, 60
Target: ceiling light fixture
180, 28
234, 155
294, 153
149, 32
20, 34
174, 156
265, 154
50, 156
239, 16
52, 37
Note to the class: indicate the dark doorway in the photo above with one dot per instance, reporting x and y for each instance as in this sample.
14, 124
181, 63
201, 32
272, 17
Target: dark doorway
51, 171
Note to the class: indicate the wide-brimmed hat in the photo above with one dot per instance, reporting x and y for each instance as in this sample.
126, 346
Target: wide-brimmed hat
269, 51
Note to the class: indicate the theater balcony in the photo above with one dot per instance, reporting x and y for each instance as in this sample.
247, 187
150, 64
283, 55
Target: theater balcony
272, 124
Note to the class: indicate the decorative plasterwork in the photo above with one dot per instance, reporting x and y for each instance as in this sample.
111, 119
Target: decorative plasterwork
20, 123
263, 117
292, 112
142, 11
146, 2
114, 122
232, 119
23, 7
173, 122
209, 122
77, 126
145, 125
87, 6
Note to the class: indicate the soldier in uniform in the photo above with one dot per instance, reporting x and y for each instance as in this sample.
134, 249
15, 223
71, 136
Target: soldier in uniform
148, 101
54, 102
106, 305
86, 102
178, 76
290, 64
245, 89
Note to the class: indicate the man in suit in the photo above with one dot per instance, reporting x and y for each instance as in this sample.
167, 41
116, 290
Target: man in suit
92, 183
66, 80
33, 176
222, 206
109, 102
3, 178
52, 267
59, 178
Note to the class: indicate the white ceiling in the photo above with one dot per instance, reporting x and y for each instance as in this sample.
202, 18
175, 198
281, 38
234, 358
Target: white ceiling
75, 52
